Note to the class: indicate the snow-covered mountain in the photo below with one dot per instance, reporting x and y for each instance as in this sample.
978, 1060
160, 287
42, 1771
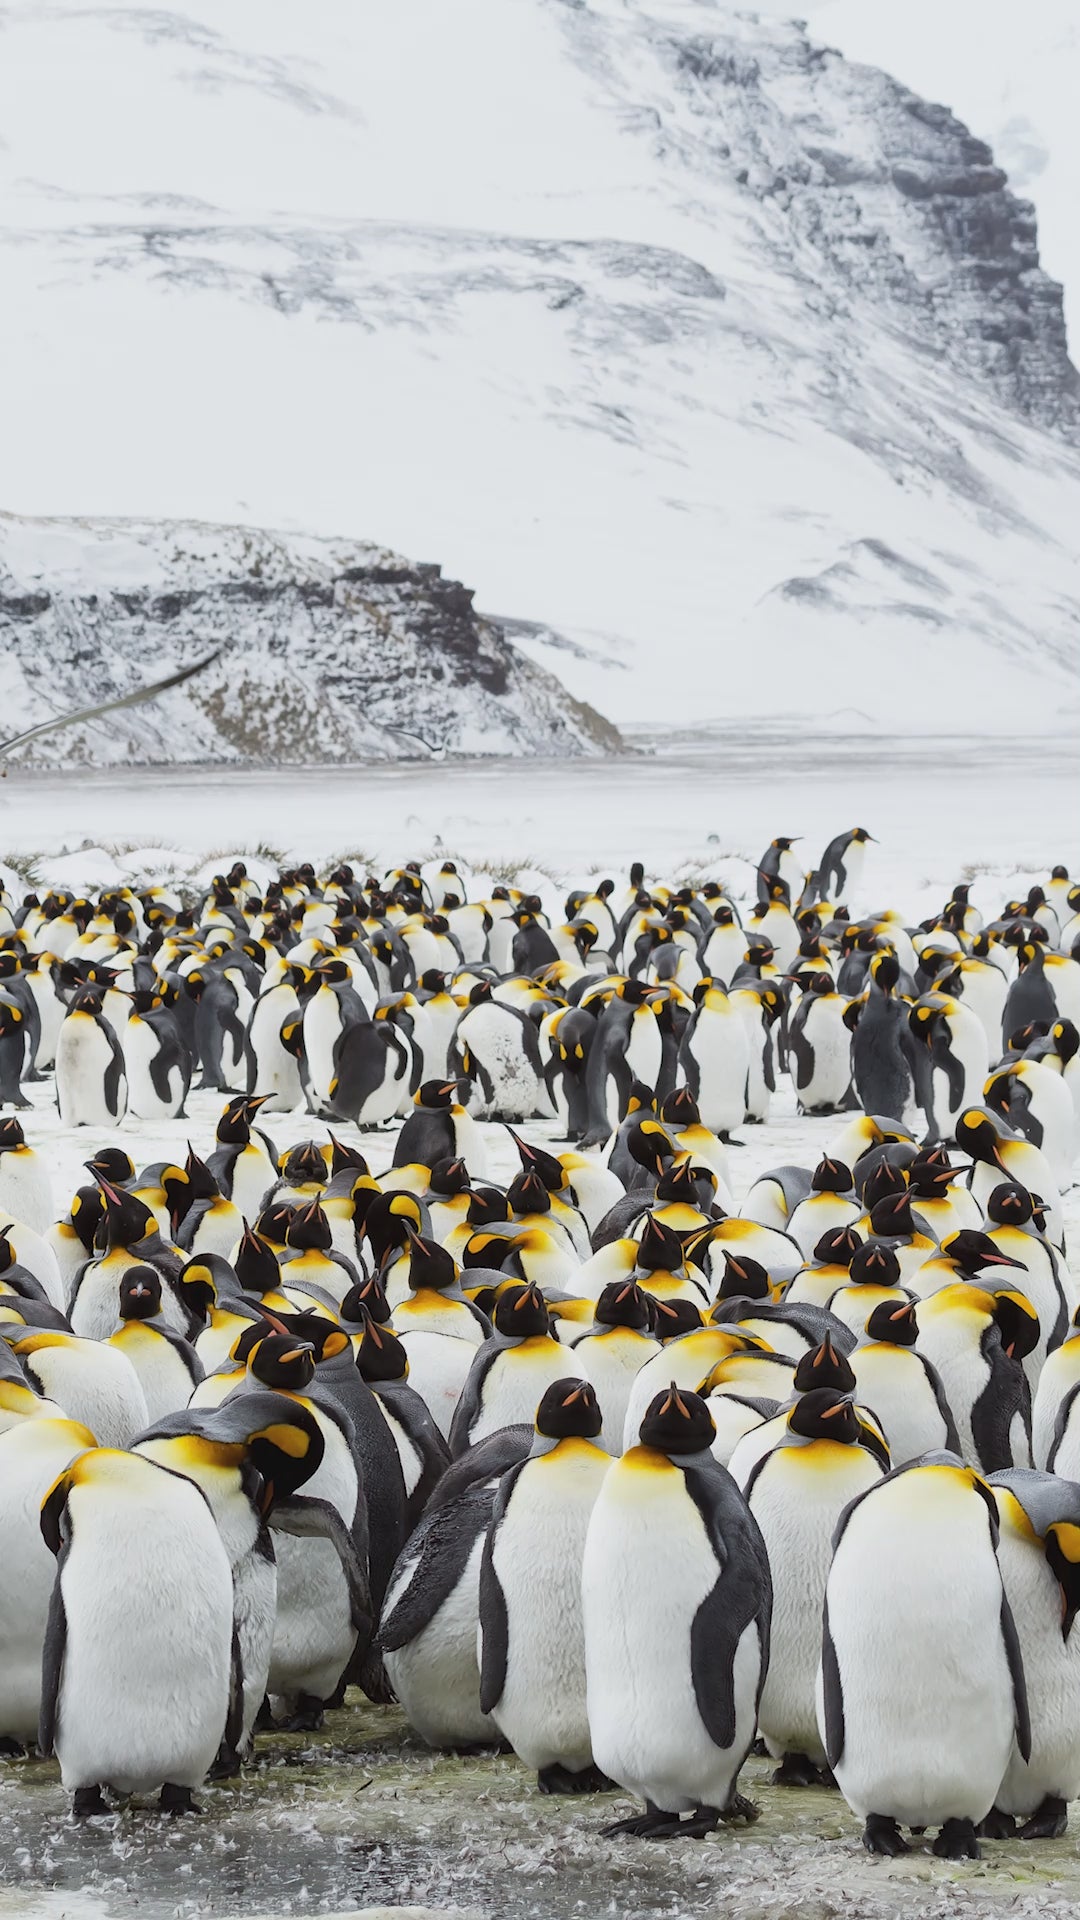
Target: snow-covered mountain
325, 649
723, 366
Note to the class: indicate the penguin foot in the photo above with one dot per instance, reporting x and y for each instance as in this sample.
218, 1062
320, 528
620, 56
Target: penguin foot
796, 1770
1048, 1822
759, 1750
307, 1718
703, 1820
264, 1719
957, 1841
740, 1808
226, 1766
176, 1801
87, 1803
558, 1779
882, 1835
11, 1749
998, 1825
643, 1826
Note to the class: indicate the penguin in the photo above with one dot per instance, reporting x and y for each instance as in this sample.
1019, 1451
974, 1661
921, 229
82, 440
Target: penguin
797, 1493
531, 1646
248, 1458
1038, 1553
244, 1163
614, 1351
902, 1386
223, 1007
1031, 995
839, 870
959, 1056
627, 1048
1032, 1099
104, 1626
91, 1084
830, 1203
977, 1342
131, 1239
774, 923
440, 1128
999, 1154
274, 1042
873, 1280
714, 1059
510, 1370
774, 1196
675, 1664
157, 1061
814, 1285
819, 1048
923, 1737
212, 1223
1053, 1404
779, 863
881, 1045
374, 1072
421, 1446
566, 1038
15, 1057
25, 1183
32, 1455
91, 1381
495, 1051
168, 1367
430, 1622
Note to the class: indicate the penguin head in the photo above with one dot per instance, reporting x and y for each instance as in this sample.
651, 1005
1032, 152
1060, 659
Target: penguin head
343, 1157
660, 1249
273, 1222
874, 1264
677, 1422
859, 835
824, 1367
623, 1304
279, 1360
650, 1145
884, 1182
893, 1323
673, 1318
140, 1293
569, 1410
537, 1161
931, 1173
381, 1356
724, 916
1066, 1038
283, 1439
823, 1414
891, 1218
480, 994
387, 1221
488, 1207
1017, 1322
113, 1164
1061, 1546
885, 971
200, 1281
449, 1177
203, 1184
831, 1176
87, 1214
11, 1134
687, 1185
309, 1230
256, 1265
304, 1165
521, 1313
430, 1265
838, 1247
1010, 1205
641, 1099
970, 1252
436, 1096
528, 1194
127, 1219
366, 1301
680, 1109
743, 1279
234, 1127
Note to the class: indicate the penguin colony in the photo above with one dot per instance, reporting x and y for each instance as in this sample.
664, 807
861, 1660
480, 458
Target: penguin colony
597, 1463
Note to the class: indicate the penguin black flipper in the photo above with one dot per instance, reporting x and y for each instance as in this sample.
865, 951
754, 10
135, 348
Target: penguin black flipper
52, 1656
112, 1076
833, 1692
742, 1596
304, 1514
1061, 1426
493, 1616
803, 1054
437, 1556
1019, 1683
952, 1438
468, 1407
1005, 1394
234, 1720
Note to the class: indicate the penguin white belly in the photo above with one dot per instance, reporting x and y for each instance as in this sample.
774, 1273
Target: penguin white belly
733, 1420
469, 1144
1052, 1677
95, 1385
322, 1028
26, 1189
724, 953
436, 1676
892, 1384
141, 1048
412, 1465
427, 1315
830, 1072
644, 1047
314, 1635
928, 1716
516, 1383
83, 1058
964, 1374
720, 1052
218, 1231
1059, 1376
796, 1502
162, 1375
647, 1732
537, 1556
277, 1072
252, 1177
612, 1361
142, 1704
32, 1456
819, 1214
494, 1040
439, 1366
36, 1254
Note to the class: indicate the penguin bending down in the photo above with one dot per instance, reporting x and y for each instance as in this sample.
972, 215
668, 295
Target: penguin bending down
532, 1652
105, 1626
922, 1737
674, 1663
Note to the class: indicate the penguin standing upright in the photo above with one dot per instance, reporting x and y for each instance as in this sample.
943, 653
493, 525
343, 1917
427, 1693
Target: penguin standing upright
532, 1651
244, 1162
157, 1061
978, 1341
796, 1493
819, 1047
881, 1044
25, 1185
922, 1737
440, 1128
614, 1351
124, 1705
839, 870
168, 1367
902, 1385
512, 1370
714, 1059
14, 1052
32, 1454
91, 1084
674, 1663
496, 1052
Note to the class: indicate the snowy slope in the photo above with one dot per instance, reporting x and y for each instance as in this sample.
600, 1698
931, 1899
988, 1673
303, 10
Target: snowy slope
723, 366
324, 648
